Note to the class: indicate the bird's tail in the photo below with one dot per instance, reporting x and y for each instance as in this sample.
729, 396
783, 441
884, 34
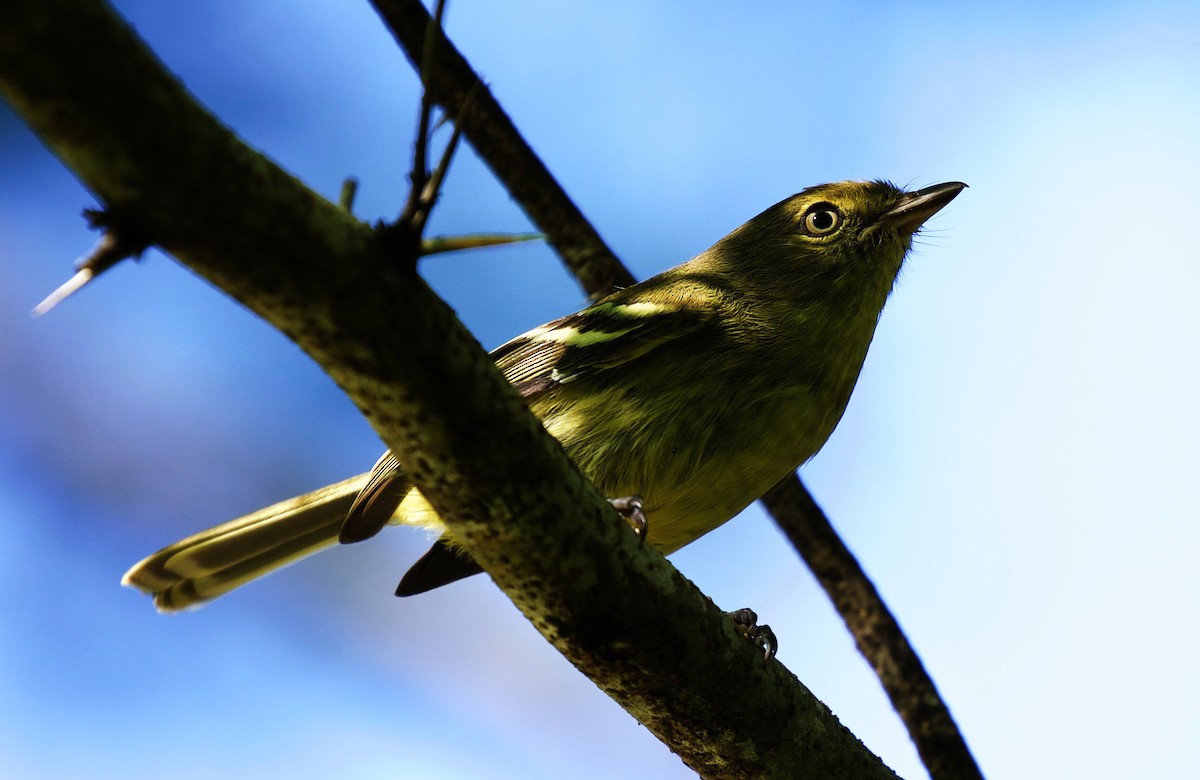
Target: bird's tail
214, 562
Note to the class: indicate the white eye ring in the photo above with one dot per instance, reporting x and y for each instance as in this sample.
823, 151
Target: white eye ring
822, 219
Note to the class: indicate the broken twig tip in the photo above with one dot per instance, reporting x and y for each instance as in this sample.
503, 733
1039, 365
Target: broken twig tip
109, 250
348, 193
64, 291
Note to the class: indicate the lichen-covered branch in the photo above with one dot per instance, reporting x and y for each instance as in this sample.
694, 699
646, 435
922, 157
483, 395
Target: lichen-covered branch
164, 166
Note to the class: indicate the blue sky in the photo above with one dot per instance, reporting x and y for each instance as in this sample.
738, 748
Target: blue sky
1015, 470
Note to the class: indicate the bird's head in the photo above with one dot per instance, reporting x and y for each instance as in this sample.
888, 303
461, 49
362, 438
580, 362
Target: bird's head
832, 240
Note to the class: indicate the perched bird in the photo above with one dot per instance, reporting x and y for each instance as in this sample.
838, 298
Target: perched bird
695, 391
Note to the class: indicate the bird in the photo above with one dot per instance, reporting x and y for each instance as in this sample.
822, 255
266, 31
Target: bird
683, 397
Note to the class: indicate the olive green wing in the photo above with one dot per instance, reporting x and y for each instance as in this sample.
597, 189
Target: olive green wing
604, 335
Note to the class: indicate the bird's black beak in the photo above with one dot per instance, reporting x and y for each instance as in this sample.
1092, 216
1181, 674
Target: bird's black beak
916, 207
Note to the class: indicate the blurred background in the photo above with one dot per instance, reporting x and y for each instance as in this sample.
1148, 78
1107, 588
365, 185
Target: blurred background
1016, 470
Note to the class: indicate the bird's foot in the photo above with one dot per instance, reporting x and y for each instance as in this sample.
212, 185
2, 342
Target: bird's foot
630, 508
762, 636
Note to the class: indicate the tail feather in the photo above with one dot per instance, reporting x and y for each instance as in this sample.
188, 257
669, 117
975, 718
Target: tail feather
214, 562
197, 589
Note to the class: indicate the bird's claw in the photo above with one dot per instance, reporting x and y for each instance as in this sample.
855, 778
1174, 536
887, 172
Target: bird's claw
763, 637
630, 508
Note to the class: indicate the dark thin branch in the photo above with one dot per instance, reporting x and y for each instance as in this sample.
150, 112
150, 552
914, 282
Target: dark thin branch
497, 141
429, 192
877, 634
420, 166
930, 727
88, 86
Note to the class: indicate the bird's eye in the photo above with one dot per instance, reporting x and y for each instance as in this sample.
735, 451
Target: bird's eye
821, 219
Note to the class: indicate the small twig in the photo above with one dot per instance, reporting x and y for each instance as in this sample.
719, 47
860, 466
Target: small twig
442, 244
348, 193
115, 244
876, 632
439, 173
409, 227
496, 140
419, 175
429, 193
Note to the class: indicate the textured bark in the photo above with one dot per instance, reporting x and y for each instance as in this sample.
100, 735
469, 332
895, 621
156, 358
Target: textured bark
168, 171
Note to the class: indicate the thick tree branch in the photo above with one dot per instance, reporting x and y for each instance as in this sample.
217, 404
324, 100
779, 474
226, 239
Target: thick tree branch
616, 609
